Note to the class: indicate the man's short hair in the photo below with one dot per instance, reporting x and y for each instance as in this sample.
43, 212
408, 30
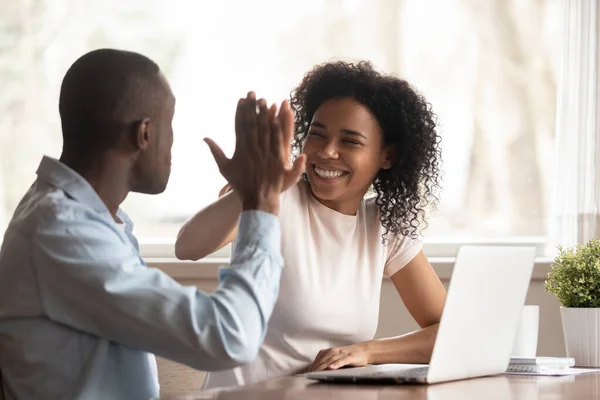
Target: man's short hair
104, 93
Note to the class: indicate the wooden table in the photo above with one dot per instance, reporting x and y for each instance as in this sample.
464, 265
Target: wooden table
584, 387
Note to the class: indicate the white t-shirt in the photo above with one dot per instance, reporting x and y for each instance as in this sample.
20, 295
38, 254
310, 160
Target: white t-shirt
330, 286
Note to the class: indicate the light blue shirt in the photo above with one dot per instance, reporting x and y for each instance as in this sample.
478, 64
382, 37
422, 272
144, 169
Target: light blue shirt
80, 311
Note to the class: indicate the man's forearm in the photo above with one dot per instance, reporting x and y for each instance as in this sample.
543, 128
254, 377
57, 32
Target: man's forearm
256, 259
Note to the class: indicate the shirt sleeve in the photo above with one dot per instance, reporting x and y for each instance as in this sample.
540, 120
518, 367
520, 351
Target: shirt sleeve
93, 281
401, 251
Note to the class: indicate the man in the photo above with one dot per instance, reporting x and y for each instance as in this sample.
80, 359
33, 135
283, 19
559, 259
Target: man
80, 313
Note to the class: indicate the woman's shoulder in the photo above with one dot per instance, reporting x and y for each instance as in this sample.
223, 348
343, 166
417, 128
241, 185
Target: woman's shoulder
295, 196
370, 208
297, 191
372, 213
370, 204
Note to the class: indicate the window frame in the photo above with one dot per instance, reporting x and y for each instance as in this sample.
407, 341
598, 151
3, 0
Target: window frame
435, 247
440, 251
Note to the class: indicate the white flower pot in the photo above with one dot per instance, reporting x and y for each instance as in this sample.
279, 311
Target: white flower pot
581, 328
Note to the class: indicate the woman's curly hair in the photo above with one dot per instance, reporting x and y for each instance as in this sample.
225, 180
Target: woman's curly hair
409, 127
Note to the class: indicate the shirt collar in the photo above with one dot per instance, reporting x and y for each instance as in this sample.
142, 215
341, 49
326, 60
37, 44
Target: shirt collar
62, 177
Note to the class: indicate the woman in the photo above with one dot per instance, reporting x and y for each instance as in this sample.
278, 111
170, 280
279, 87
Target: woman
361, 132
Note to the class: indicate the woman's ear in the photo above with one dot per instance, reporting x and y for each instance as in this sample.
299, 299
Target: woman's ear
388, 158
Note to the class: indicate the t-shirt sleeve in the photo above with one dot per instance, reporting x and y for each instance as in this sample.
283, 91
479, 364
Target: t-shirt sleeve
401, 251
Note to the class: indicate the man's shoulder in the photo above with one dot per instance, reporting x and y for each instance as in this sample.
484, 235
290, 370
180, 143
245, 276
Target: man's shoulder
43, 211
45, 207
51, 222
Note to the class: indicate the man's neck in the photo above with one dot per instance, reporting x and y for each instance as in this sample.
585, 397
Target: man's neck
108, 175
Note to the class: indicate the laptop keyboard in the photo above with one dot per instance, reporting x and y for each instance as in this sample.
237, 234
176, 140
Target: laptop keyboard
411, 372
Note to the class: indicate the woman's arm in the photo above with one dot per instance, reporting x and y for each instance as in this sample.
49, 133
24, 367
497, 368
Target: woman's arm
421, 290
216, 225
211, 228
424, 297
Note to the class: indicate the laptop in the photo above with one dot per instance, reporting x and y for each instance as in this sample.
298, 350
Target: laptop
477, 331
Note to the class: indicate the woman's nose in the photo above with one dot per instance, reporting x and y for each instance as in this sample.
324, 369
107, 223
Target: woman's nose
329, 150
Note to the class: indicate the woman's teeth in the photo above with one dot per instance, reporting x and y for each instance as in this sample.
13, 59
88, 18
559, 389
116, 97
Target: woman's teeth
329, 174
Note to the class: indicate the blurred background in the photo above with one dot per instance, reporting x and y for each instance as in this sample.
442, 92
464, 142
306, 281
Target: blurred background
487, 67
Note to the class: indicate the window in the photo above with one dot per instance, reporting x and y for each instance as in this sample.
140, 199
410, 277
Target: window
488, 68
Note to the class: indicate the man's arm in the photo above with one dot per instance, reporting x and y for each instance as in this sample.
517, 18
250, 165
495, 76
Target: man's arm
90, 280
214, 226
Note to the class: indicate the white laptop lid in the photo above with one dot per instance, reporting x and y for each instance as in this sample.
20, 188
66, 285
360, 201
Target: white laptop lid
485, 297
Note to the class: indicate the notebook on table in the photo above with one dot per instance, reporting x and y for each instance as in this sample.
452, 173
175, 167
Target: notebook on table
539, 364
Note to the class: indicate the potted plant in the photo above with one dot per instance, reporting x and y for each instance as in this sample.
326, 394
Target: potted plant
574, 278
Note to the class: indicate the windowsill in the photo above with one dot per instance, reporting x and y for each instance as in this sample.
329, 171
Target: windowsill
206, 269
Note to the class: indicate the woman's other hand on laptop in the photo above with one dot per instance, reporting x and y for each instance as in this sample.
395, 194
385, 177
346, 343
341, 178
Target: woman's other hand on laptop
354, 355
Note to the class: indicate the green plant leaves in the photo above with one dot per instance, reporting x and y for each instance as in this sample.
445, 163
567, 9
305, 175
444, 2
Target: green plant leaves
574, 277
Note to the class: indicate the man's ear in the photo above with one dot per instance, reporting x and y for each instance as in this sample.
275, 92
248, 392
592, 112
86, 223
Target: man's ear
388, 158
142, 134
